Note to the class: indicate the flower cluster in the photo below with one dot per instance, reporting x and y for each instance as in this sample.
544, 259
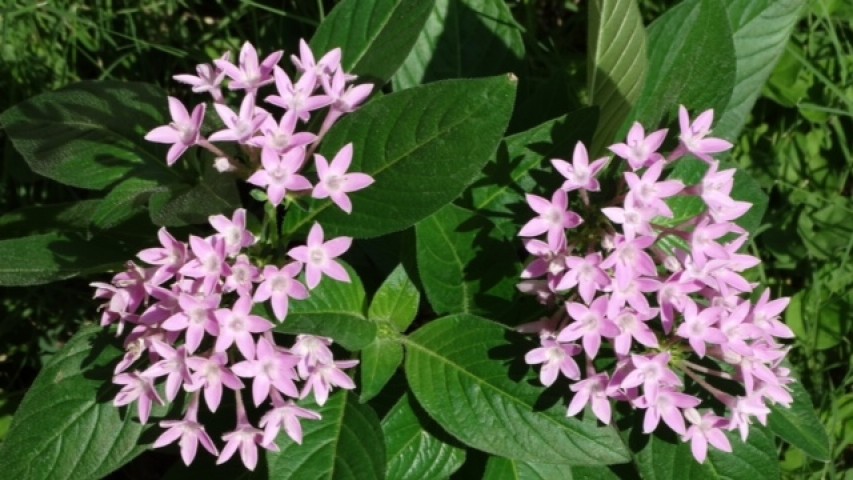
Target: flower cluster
662, 295
275, 150
191, 310
192, 326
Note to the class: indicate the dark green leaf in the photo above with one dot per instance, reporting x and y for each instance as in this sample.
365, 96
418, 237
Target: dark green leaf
396, 301
334, 309
49, 257
346, 443
456, 253
500, 468
688, 46
800, 426
761, 30
66, 426
423, 146
412, 450
616, 64
374, 35
665, 459
457, 368
379, 362
463, 39
48, 218
124, 201
188, 204
522, 165
90, 134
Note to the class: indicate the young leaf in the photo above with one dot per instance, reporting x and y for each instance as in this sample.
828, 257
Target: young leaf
374, 35
800, 426
334, 309
616, 64
456, 254
671, 459
90, 134
412, 450
345, 444
396, 301
423, 146
463, 39
457, 368
688, 45
761, 31
66, 426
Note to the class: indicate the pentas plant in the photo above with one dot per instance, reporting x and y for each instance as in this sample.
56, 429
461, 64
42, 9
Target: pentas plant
188, 312
651, 310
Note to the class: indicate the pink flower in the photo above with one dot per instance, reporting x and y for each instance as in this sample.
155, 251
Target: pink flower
250, 74
554, 218
280, 173
170, 258
246, 438
208, 79
667, 404
279, 285
272, 368
580, 174
188, 432
285, 415
239, 127
649, 192
196, 317
243, 276
233, 231
173, 365
139, 388
698, 328
590, 324
640, 151
281, 136
237, 324
693, 135
704, 430
335, 182
325, 376
632, 325
182, 133
297, 99
591, 390
586, 274
211, 373
651, 373
319, 257
555, 358
209, 262
330, 62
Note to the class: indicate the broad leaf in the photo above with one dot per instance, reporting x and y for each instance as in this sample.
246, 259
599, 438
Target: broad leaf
187, 204
412, 450
90, 134
379, 362
66, 426
665, 459
346, 443
463, 39
396, 301
375, 35
522, 165
49, 257
688, 45
800, 426
124, 201
459, 368
500, 468
48, 218
334, 309
761, 29
423, 146
463, 264
616, 64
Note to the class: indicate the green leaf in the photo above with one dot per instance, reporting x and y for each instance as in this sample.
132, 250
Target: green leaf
423, 146
124, 201
664, 459
48, 218
49, 257
90, 134
346, 443
761, 30
500, 468
456, 252
334, 309
413, 451
66, 426
396, 301
521, 165
457, 368
379, 362
616, 64
188, 204
375, 36
688, 45
463, 39
800, 426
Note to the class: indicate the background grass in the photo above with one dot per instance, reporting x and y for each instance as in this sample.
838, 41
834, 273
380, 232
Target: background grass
797, 144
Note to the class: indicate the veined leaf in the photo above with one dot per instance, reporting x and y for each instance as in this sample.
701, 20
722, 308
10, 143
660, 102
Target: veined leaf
800, 426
